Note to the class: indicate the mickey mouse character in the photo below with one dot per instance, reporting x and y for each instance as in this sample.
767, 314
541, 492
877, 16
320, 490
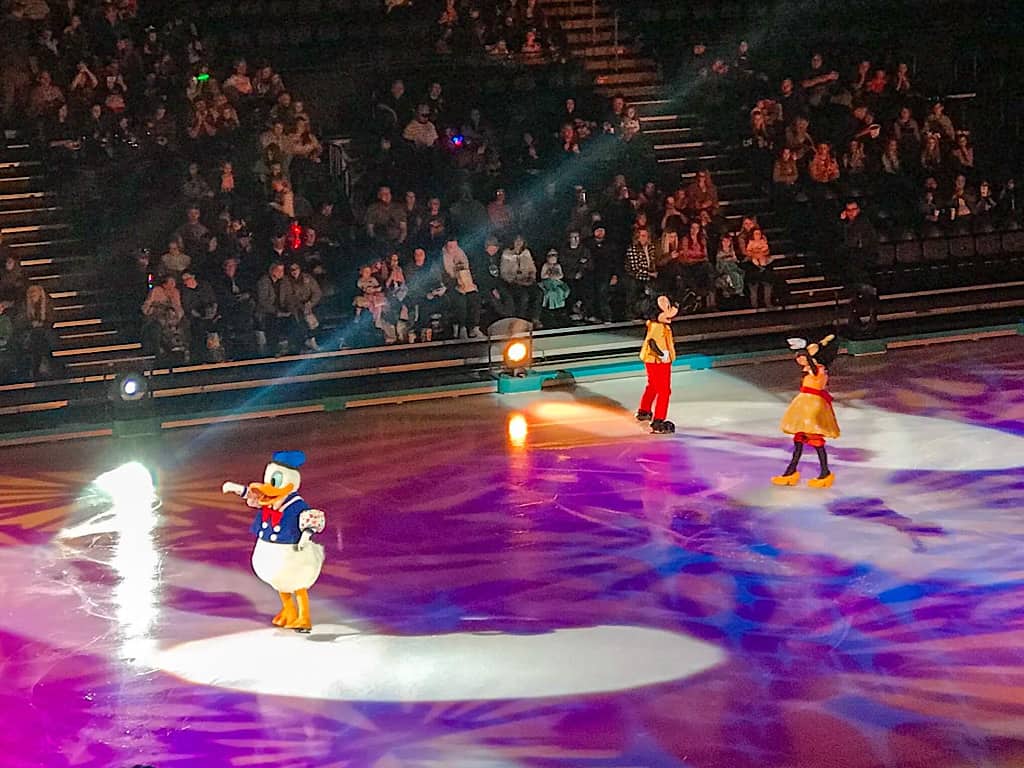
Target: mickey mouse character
657, 353
810, 418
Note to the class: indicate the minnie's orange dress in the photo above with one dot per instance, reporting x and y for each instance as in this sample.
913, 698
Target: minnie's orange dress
810, 418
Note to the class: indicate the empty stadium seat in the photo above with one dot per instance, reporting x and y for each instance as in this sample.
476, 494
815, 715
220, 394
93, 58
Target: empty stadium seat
886, 255
961, 248
908, 252
988, 245
935, 249
1013, 242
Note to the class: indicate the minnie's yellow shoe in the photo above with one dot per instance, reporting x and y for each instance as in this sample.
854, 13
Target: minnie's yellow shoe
822, 482
791, 479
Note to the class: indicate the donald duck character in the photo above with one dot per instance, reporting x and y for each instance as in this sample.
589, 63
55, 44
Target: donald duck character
285, 557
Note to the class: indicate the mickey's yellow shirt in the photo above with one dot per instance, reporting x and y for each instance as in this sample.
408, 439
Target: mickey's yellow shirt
660, 334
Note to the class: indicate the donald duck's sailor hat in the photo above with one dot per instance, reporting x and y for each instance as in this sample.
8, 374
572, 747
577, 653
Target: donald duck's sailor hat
290, 459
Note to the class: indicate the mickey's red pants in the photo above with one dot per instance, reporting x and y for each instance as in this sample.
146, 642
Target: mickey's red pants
659, 389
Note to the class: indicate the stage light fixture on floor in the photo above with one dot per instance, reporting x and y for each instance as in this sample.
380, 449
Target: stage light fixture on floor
862, 320
510, 348
516, 354
131, 387
131, 403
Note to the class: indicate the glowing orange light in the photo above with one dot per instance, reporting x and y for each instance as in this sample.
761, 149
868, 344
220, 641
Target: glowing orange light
518, 429
516, 352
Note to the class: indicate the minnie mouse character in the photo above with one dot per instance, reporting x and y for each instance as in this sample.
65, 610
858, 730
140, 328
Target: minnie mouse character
810, 418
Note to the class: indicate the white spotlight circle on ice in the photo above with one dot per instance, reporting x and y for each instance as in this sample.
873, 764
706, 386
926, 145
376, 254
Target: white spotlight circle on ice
338, 662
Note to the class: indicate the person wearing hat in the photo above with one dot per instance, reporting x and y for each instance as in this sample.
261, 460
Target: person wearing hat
495, 299
602, 282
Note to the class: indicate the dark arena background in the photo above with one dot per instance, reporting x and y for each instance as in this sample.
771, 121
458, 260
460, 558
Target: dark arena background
399, 262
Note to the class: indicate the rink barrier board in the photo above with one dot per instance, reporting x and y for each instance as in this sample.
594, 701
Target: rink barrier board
534, 381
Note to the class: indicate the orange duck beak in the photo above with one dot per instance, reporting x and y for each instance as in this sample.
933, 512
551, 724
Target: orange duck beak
267, 494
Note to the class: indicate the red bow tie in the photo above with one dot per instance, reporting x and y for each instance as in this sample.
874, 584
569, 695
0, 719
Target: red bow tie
272, 516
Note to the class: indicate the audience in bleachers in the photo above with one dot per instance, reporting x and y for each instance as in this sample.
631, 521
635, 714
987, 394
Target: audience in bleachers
556, 217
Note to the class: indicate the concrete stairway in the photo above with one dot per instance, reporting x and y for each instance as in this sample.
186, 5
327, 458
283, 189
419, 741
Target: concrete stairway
682, 142
40, 233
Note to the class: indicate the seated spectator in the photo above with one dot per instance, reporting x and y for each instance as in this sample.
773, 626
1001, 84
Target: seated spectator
315, 261
799, 140
531, 45
202, 317
963, 154
986, 208
760, 278
696, 267
928, 207
283, 111
275, 319
37, 338
640, 271
304, 144
238, 85
747, 226
372, 301
83, 86
327, 223
817, 82
854, 162
823, 168
901, 80
420, 131
424, 292
861, 78
892, 158
226, 182
907, 133
931, 154
385, 219
225, 118
554, 290
672, 216
962, 200
235, 304
45, 99
165, 332
162, 128
435, 99
791, 102
175, 261
785, 173
463, 294
938, 122
277, 250
301, 298
518, 272
702, 194
1009, 201
729, 276
878, 84
193, 233
195, 187
283, 203
499, 213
